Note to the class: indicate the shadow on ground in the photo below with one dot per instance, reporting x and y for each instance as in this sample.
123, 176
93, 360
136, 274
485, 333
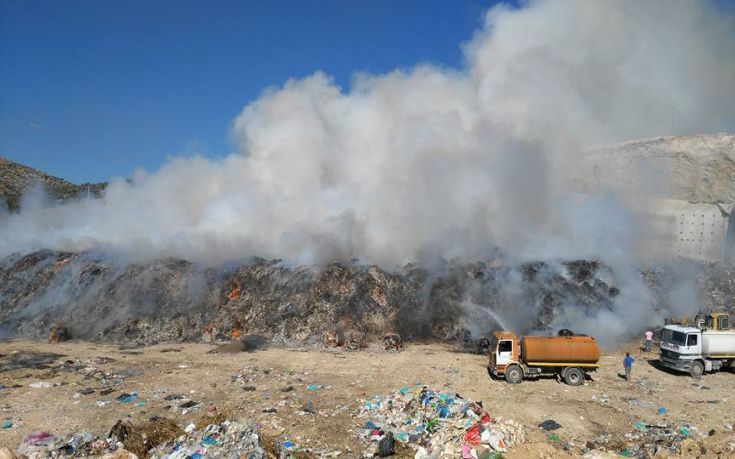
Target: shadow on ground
29, 360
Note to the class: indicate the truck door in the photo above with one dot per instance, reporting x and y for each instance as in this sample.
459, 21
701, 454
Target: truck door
692, 346
505, 352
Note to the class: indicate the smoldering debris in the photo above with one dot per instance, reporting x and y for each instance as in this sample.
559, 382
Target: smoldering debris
346, 304
340, 304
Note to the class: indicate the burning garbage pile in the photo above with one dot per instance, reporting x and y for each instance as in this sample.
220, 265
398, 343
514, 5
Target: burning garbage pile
434, 424
59, 295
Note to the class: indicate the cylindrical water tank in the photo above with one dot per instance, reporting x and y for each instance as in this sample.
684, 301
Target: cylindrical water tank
559, 349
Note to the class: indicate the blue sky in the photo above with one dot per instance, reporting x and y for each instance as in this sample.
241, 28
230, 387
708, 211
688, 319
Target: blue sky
93, 89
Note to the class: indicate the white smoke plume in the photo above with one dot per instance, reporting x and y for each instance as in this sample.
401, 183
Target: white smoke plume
431, 162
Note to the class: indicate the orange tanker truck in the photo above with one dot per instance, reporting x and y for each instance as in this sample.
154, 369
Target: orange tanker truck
567, 356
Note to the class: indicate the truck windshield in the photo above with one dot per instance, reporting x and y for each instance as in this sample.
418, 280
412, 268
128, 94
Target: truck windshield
674, 337
505, 346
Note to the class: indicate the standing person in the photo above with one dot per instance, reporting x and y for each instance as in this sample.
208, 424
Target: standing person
649, 340
628, 365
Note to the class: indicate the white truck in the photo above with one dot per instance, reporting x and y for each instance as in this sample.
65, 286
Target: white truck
708, 346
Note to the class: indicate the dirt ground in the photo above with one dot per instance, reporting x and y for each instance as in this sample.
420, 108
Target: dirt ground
272, 386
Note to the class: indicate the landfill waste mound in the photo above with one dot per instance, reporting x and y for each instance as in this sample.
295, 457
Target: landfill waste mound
435, 424
52, 295
61, 295
708, 286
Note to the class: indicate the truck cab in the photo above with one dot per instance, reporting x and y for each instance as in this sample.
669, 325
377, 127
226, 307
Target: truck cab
504, 351
680, 346
709, 346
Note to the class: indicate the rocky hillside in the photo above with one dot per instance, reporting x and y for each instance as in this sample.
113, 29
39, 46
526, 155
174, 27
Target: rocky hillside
699, 168
16, 179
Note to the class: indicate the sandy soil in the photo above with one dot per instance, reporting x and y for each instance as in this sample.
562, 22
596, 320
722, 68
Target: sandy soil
605, 405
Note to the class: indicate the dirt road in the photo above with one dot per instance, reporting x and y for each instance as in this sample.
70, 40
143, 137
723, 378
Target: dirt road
274, 386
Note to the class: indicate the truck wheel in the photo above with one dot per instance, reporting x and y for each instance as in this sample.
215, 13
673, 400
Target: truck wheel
574, 376
696, 370
514, 374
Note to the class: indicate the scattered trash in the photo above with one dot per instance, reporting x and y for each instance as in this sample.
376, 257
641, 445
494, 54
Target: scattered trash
38, 437
44, 385
14, 386
226, 439
44, 444
208, 441
357, 340
249, 388
550, 424
57, 333
483, 346
7, 424
392, 342
128, 373
435, 424
307, 407
140, 438
331, 339
189, 404
554, 438
86, 391
646, 440
127, 398
661, 411
313, 386
641, 403
386, 446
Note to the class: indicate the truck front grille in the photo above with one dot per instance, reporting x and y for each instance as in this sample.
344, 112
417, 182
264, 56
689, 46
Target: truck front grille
669, 354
